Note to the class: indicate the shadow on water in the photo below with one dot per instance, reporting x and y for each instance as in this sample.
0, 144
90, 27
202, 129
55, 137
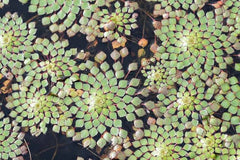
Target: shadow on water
54, 146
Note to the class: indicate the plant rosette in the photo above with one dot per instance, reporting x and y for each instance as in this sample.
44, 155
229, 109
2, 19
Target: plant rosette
223, 94
51, 63
205, 142
11, 140
200, 39
102, 96
116, 141
119, 148
158, 74
186, 104
34, 109
16, 40
118, 22
158, 143
89, 22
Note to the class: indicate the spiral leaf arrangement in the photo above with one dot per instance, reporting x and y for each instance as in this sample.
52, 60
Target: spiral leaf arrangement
16, 40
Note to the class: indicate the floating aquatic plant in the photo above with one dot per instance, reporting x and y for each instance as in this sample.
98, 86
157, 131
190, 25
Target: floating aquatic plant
34, 109
60, 14
89, 22
63, 15
116, 141
120, 22
185, 104
199, 38
50, 63
159, 74
16, 40
188, 102
229, 11
228, 99
164, 7
11, 139
103, 96
118, 149
205, 142
107, 24
158, 142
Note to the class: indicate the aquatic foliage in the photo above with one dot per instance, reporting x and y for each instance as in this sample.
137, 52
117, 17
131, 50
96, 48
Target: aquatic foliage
192, 38
200, 142
158, 142
167, 90
185, 104
109, 24
229, 11
16, 40
118, 151
63, 16
49, 63
89, 22
35, 109
205, 142
119, 22
159, 74
228, 99
11, 140
102, 96
60, 14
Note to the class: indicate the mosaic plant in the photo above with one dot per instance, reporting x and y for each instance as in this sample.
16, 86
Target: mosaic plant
102, 96
120, 79
89, 22
16, 40
11, 139
228, 100
55, 11
207, 143
158, 74
194, 37
229, 10
108, 24
49, 63
121, 21
158, 142
185, 104
35, 110
63, 16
